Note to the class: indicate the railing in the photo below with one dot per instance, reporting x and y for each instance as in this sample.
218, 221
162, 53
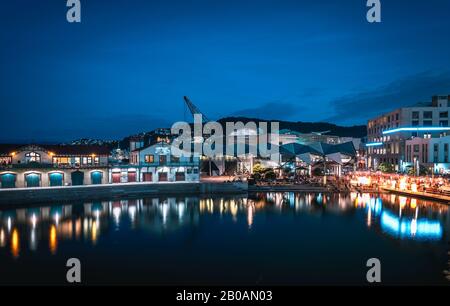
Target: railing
158, 164
49, 166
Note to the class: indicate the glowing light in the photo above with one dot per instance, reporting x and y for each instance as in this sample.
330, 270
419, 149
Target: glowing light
417, 129
374, 144
9, 224
15, 243
419, 229
250, 213
53, 241
413, 203
94, 233
364, 180
2, 238
414, 187
33, 220
116, 213
402, 201
403, 184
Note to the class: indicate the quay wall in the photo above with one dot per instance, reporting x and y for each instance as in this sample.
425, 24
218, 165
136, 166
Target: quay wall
106, 191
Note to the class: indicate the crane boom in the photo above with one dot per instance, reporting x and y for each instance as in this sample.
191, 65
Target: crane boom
194, 109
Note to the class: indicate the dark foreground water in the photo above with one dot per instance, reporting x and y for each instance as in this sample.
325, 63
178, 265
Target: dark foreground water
273, 238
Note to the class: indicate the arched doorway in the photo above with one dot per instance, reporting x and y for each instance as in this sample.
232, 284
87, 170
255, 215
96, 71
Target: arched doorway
8, 180
55, 179
33, 179
96, 177
77, 178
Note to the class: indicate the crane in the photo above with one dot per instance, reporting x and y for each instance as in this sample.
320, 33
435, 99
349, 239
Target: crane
194, 109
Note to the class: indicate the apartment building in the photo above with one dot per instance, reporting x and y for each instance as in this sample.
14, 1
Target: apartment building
387, 134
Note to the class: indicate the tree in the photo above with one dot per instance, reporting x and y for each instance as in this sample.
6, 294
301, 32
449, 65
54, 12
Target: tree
386, 168
258, 168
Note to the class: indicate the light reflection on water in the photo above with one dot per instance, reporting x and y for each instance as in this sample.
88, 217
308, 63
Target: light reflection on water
399, 217
25, 231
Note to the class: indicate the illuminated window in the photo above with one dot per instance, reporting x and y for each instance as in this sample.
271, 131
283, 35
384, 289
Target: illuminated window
33, 157
149, 158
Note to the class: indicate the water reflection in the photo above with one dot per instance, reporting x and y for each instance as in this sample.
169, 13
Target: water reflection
397, 217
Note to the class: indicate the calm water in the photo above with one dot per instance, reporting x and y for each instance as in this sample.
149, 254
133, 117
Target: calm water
274, 238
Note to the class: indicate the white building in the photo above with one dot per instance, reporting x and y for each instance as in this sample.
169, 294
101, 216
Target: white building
388, 133
156, 163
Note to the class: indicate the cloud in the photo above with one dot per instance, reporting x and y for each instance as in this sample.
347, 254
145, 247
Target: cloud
271, 110
403, 92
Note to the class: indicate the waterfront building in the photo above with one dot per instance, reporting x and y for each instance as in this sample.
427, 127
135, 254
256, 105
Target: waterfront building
319, 155
156, 163
52, 165
387, 134
430, 153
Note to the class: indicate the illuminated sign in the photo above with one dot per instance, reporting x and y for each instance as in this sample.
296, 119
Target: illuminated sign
418, 129
374, 144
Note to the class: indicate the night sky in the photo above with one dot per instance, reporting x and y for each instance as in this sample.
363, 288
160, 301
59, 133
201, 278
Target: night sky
126, 67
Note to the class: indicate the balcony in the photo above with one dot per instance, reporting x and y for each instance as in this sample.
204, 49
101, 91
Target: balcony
34, 165
167, 164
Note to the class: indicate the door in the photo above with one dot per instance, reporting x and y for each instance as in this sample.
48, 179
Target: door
131, 176
148, 177
179, 176
8, 180
33, 180
162, 176
56, 179
116, 177
77, 178
96, 177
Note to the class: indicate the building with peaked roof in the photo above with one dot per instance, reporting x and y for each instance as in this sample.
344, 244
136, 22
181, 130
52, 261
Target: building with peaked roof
158, 163
319, 153
52, 165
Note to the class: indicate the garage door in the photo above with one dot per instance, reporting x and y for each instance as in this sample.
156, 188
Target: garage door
116, 177
8, 180
148, 177
77, 178
33, 180
56, 179
162, 176
96, 177
132, 176
179, 176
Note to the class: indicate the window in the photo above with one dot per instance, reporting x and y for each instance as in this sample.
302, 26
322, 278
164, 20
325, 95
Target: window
149, 158
87, 160
415, 115
416, 148
33, 157
443, 123
427, 115
443, 115
162, 159
445, 152
427, 123
195, 171
174, 159
96, 160
396, 116
415, 122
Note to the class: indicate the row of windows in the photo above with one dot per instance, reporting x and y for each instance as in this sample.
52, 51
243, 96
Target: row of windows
428, 115
150, 158
83, 160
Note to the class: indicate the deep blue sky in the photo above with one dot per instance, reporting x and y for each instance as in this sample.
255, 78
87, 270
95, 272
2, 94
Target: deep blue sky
126, 67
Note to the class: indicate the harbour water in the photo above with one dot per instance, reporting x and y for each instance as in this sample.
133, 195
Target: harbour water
263, 239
